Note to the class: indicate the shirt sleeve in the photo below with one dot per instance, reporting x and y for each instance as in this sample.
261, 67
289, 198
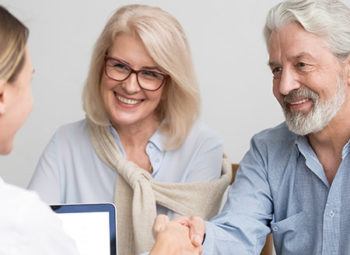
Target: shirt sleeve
243, 224
46, 178
33, 229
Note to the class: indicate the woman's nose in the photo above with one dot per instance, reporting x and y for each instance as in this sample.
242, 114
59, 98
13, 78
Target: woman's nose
131, 84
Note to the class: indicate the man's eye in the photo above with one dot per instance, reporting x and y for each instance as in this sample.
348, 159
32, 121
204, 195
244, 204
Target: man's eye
301, 65
276, 71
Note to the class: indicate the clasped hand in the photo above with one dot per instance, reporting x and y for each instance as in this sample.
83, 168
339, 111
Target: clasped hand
182, 236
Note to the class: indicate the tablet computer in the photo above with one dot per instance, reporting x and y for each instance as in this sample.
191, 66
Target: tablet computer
92, 226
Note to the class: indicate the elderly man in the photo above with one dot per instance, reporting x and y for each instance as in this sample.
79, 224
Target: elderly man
295, 179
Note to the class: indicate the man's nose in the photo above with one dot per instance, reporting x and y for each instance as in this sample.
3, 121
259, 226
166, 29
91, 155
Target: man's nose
288, 82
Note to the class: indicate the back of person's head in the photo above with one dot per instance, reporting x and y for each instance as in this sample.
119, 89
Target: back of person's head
328, 19
166, 43
13, 38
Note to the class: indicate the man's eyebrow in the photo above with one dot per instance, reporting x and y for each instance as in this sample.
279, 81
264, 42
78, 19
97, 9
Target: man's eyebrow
304, 55
297, 57
272, 63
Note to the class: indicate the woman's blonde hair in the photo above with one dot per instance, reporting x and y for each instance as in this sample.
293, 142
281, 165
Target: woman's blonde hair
13, 39
166, 43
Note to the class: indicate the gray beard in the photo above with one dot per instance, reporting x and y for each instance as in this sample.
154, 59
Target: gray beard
321, 114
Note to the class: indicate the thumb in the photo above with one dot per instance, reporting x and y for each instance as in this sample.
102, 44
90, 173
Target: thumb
197, 230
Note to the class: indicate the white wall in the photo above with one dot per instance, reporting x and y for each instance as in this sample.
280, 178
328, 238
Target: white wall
228, 52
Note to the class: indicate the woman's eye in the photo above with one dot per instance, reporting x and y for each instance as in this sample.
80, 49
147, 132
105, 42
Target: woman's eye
151, 74
119, 65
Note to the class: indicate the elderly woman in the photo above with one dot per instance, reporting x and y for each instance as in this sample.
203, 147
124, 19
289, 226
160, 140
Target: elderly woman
27, 225
141, 135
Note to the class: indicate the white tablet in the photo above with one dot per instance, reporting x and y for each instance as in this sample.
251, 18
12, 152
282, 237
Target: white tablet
92, 226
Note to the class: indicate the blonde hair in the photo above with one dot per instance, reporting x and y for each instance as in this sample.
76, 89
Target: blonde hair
13, 39
166, 43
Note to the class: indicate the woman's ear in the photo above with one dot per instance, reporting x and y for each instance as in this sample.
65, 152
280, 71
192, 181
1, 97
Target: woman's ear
2, 97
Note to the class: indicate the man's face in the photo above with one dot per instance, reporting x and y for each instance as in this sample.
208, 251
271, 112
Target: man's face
308, 80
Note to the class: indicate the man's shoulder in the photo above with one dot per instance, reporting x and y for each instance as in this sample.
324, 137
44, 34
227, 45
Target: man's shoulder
275, 142
279, 134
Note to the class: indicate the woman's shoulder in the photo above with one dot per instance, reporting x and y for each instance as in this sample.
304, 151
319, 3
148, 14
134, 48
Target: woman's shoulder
30, 224
70, 136
16, 200
76, 127
201, 132
73, 131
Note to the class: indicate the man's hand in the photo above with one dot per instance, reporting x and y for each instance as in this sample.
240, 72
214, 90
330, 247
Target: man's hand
173, 237
196, 227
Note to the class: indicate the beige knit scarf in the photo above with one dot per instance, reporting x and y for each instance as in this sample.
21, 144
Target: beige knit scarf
137, 194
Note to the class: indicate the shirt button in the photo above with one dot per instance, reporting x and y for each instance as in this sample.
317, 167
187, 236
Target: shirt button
331, 214
150, 146
275, 228
157, 160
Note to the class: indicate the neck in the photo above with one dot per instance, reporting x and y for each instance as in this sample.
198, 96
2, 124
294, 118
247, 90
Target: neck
329, 142
336, 134
136, 135
135, 138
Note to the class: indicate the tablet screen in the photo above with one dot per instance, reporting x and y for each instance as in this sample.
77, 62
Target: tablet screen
90, 229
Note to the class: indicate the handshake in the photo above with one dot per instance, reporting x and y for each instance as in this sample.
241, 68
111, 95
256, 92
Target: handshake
183, 236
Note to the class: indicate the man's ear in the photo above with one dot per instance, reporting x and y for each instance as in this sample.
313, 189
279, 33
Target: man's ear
2, 97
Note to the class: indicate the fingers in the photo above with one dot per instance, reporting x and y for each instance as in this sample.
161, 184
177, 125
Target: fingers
160, 223
197, 230
183, 221
196, 227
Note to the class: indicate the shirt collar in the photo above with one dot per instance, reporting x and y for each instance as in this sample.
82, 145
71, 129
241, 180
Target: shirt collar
346, 150
311, 159
303, 145
117, 139
157, 139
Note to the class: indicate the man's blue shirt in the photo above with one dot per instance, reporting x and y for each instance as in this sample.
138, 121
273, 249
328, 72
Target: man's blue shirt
281, 187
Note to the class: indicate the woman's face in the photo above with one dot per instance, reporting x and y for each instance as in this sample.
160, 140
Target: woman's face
15, 104
126, 103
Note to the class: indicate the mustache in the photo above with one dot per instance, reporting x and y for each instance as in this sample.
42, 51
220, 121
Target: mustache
297, 94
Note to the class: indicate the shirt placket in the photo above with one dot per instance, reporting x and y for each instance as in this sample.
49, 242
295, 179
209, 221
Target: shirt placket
331, 221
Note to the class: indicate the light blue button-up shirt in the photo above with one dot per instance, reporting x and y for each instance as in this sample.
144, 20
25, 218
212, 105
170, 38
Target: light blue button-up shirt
281, 187
69, 170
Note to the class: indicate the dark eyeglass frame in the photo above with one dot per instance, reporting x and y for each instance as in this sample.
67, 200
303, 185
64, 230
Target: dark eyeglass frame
166, 77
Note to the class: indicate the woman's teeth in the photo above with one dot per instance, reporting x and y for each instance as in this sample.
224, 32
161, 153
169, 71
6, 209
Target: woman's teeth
128, 100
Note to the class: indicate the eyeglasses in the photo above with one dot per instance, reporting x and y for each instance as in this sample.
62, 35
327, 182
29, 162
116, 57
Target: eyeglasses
117, 70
